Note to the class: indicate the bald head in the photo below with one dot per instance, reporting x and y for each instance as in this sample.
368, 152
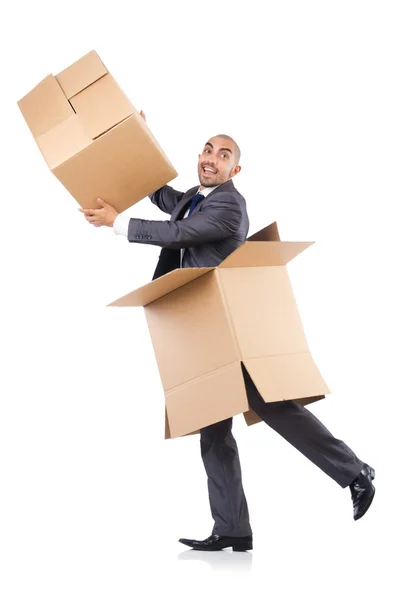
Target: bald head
236, 153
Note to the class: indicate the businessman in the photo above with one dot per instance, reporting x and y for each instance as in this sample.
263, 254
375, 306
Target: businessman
207, 223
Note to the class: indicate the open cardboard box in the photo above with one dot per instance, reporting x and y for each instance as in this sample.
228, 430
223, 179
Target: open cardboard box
209, 324
92, 138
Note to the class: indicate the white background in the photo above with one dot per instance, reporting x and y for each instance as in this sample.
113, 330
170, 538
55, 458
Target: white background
93, 500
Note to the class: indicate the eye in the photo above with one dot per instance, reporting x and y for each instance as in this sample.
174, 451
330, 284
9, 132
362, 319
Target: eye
225, 155
206, 150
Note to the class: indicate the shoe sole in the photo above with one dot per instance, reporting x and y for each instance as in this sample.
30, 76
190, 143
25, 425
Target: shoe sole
235, 548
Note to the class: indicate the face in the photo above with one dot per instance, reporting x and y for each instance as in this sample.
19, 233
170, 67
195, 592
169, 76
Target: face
217, 162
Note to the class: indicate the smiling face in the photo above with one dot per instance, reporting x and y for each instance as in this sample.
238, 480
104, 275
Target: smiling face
218, 162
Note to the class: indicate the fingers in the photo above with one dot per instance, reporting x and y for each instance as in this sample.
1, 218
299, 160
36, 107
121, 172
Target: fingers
94, 211
95, 223
96, 216
90, 212
90, 216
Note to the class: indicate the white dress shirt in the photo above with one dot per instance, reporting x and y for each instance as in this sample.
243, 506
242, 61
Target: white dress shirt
120, 225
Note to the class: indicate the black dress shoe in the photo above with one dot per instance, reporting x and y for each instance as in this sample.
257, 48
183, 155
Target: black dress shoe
219, 542
362, 491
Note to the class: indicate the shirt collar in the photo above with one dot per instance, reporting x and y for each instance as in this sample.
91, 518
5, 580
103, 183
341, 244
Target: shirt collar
207, 190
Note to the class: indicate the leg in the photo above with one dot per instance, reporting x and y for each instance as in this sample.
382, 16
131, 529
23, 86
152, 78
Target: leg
307, 434
226, 495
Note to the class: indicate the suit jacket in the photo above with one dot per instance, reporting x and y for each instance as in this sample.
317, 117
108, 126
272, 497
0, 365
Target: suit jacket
218, 225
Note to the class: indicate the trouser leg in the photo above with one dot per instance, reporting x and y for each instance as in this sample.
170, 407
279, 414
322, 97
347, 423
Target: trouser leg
226, 495
307, 434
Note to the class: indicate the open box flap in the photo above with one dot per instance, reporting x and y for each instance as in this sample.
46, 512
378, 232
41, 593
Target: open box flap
160, 287
263, 254
198, 403
267, 234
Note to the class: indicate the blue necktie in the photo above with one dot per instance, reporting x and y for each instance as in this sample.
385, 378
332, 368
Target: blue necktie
193, 205
194, 202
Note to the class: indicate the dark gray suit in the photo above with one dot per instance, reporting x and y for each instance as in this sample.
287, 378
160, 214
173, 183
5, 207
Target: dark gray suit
219, 225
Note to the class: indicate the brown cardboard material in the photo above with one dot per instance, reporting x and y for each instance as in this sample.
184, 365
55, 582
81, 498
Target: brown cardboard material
110, 103
81, 74
211, 327
93, 138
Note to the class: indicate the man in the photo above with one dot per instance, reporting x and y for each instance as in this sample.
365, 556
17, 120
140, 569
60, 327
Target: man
207, 224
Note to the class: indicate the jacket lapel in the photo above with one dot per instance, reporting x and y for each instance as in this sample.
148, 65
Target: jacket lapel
182, 205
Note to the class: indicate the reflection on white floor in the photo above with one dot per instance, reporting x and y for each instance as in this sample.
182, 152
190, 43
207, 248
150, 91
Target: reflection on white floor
224, 560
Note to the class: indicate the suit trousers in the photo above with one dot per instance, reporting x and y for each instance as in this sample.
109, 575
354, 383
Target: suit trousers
294, 423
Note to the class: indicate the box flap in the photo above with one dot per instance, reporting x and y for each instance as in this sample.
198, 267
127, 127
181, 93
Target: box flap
262, 254
286, 377
101, 106
201, 402
267, 234
160, 287
81, 74
45, 106
167, 434
198, 403
251, 418
63, 141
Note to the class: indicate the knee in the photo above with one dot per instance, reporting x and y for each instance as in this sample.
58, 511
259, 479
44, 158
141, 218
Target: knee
271, 412
216, 434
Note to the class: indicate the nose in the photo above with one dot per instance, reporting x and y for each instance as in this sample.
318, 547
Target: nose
210, 160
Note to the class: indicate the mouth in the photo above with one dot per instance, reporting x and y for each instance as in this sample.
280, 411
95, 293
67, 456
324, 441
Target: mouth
208, 171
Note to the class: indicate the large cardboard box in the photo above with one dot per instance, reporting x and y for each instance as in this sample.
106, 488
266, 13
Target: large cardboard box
92, 138
209, 324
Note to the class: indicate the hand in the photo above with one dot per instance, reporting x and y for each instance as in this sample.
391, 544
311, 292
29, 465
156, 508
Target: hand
100, 216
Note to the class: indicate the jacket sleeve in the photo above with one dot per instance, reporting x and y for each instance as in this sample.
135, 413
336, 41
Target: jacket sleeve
218, 220
166, 198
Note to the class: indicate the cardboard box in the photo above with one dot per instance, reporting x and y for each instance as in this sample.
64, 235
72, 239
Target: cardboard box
92, 137
208, 324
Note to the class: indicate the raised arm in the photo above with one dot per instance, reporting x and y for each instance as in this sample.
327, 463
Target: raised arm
219, 219
166, 198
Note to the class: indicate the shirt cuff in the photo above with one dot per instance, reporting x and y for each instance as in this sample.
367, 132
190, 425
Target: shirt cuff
120, 225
